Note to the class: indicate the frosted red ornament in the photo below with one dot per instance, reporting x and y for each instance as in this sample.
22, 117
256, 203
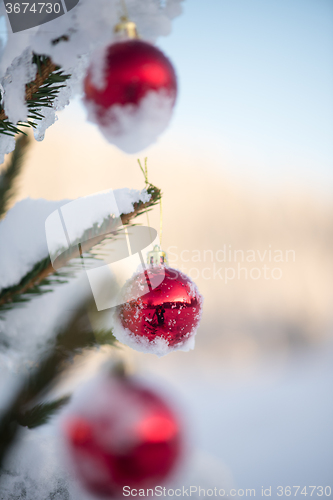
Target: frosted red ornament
130, 90
125, 435
164, 319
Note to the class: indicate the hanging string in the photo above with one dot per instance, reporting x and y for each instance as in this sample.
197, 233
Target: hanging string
124, 6
125, 25
161, 221
145, 174
156, 256
145, 170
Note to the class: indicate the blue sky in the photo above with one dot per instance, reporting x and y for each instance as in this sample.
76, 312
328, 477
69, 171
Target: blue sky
256, 82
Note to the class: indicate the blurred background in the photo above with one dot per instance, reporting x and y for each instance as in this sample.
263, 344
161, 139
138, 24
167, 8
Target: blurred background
246, 171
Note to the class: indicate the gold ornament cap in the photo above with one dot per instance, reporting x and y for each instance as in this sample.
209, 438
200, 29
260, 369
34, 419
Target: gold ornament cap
126, 26
157, 257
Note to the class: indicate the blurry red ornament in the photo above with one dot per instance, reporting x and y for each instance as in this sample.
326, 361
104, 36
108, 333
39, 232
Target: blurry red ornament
131, 69
116, 88
170, 311
125, 436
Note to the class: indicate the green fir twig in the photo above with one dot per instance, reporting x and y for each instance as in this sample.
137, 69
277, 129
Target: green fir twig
40, 94
105, 337
42, 277
41, 413
74, 337
23, 410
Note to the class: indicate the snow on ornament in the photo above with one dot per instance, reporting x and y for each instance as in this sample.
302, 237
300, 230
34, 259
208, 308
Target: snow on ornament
130, 91
167, 317
118, 433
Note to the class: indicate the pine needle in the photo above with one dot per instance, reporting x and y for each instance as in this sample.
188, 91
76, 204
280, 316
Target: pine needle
42, 274
40, 93
74, 337
41, 413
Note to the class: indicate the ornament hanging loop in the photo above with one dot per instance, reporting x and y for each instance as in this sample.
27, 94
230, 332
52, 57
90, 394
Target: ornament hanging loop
125, 25
157, 257
144, 170
161, 221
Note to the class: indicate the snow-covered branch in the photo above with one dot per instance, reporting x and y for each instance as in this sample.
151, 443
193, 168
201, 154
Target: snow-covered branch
67, 44
26, 265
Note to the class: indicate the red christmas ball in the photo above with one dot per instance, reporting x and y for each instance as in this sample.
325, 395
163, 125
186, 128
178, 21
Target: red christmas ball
131, 69
130, 90
166, 317
124, 435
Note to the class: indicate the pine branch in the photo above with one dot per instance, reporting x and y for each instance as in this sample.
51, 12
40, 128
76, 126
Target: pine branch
105, 337
39, 277
33, 283
73, 338
41, 413
39, 93
10, 173
76, 336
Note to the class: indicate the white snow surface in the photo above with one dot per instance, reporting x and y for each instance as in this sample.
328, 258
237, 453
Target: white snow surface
265, 428
38, 470
22, 232
159, 346
89, 26
133, 127
19, 73
40, 467
28, 330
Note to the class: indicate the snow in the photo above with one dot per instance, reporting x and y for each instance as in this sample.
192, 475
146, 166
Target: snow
133, 127
21, 248
28, 244
72, 87
40, 466
67, 225
159, 346
43, 316
89, 26
49, 119
38, 470
273, 427
33, 472
20, 72
97, 68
